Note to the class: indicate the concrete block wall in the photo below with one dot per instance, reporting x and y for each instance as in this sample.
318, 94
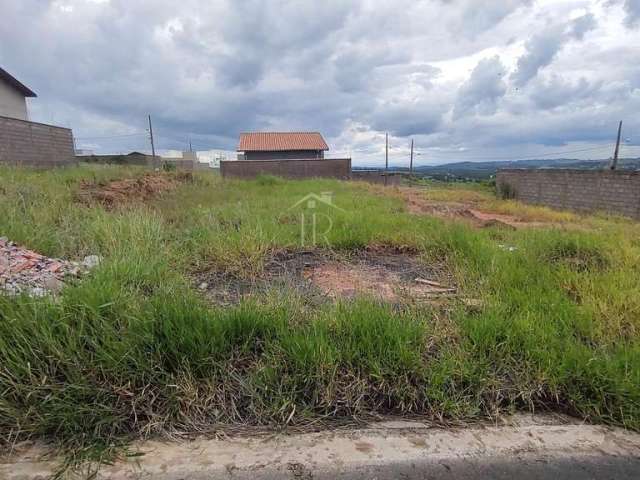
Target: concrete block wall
117, 159
203, 167
615, 191
333, 168
34, 144
375, 176
179, 164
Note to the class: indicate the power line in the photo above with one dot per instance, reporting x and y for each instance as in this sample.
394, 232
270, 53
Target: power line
459, 155
112, 136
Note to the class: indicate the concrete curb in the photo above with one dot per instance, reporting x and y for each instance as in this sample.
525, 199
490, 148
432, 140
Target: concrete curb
388, 450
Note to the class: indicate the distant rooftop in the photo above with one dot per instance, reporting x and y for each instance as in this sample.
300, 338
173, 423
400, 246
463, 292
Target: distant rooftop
281, 141
15, 83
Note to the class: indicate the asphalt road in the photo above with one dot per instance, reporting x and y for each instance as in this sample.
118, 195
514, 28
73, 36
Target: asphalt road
486, 468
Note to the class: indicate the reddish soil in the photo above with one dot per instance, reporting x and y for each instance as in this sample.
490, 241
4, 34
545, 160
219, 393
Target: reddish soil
490, 219
393, 275
417, 204
119, 192
339, 280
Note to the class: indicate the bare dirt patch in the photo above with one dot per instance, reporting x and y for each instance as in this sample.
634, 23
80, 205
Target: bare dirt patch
143, 188
319, 276
417, 204
389, 279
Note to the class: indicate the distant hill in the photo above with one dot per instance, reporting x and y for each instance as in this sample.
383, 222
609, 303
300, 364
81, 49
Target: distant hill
484, 170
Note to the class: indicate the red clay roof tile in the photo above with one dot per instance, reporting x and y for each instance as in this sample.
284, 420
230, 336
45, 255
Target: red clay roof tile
281, 141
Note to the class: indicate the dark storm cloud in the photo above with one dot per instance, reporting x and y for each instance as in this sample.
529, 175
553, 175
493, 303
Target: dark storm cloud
354, 67
194, 76
404, 119
581, 25
439, 70
556, 91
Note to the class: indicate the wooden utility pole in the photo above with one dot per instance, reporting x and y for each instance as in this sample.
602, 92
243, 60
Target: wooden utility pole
614, 161
386, 157
411, 160
153, 147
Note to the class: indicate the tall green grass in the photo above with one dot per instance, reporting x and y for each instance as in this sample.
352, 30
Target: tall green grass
132, 350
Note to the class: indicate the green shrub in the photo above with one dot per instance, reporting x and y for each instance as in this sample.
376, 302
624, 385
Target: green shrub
266, 180
506, 191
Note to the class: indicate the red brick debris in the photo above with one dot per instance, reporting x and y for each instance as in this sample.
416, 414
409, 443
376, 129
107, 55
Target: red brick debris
25, 271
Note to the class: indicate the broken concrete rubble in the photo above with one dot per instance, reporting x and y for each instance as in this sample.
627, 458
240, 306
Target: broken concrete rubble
24, 271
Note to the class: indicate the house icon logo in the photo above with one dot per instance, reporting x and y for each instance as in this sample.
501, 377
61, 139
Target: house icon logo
315, 219
313, 200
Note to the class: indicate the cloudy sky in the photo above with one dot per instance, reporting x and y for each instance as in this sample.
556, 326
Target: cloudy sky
466, 79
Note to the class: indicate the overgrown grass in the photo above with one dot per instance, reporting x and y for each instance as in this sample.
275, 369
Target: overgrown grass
133, 350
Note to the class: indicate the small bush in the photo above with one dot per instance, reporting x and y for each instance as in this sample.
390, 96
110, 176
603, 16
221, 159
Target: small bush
506, 191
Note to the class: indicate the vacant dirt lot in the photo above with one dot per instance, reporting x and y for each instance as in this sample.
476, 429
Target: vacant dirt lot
206, 309
386, 274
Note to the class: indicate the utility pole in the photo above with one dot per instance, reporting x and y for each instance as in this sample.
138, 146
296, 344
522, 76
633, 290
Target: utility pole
411, 161
614, 161
153, 148
386, 158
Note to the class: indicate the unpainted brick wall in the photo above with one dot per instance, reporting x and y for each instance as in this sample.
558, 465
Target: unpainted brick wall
118, 159
35, 144
333, 167
182, 165
376, 177
616, 191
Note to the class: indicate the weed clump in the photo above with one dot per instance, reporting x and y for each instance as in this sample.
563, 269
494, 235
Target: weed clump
505, 191
266, 180
577, 255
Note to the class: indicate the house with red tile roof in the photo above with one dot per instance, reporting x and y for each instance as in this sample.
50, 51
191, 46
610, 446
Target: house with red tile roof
281, 146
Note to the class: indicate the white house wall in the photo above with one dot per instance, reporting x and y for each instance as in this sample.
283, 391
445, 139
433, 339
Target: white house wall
12, 103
